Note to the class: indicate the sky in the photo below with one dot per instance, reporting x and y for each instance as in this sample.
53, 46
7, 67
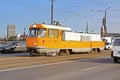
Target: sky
72, 13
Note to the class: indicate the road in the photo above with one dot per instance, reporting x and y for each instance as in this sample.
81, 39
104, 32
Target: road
9, 61
97, 68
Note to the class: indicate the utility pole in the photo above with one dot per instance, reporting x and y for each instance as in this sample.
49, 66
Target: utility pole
24, 33
104, 21
106, 10
52, 12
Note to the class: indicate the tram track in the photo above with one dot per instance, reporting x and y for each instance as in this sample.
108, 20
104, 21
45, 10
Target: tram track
15, 62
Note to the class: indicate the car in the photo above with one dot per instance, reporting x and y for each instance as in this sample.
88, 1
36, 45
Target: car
115, 52
108, 46
14, 46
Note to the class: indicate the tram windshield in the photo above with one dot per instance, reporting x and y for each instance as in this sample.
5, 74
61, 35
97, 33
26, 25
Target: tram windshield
37, 32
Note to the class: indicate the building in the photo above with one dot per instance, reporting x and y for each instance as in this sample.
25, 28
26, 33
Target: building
11, 31
22, 37
104, 32
107, 37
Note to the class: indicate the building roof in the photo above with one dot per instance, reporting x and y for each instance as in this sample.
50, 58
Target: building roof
112, 35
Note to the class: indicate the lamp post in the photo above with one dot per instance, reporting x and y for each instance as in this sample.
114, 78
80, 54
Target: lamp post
104, 20
24, 32
106, 10
104, 28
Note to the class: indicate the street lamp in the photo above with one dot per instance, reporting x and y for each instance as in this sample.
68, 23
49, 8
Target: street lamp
106, 10
104, 20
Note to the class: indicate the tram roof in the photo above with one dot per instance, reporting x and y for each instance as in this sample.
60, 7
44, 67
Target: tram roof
50, 27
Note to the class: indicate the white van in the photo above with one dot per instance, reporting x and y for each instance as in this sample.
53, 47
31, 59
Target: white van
115, 53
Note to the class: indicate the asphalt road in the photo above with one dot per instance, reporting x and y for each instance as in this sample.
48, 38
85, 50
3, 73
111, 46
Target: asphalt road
101, 68
14, 55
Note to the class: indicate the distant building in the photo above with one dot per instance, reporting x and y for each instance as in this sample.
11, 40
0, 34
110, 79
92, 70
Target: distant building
11, 31
103, 34
21, 37
107, 37
104, 30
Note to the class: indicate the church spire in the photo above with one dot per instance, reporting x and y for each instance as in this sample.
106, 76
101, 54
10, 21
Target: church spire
102, 31
104, 24
103, 27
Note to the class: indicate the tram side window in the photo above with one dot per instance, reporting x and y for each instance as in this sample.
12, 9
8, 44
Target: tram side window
53, 33
41, 33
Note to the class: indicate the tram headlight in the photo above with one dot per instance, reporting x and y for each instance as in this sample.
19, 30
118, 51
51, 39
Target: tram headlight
34, 25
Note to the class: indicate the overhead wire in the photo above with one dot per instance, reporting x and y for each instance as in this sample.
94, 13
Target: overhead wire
110, 22
76, 14
62, 11
35, 6
24, 4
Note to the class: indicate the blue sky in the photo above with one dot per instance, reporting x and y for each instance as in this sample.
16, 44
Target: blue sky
72, 13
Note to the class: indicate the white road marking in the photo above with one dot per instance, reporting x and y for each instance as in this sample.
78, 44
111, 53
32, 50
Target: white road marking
90, 68
35, 66
49, 64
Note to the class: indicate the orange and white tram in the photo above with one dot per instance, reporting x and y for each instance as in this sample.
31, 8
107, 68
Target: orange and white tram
61, 40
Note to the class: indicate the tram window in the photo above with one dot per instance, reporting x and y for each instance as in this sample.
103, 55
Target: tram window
41, 33
37, 32
53, 33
